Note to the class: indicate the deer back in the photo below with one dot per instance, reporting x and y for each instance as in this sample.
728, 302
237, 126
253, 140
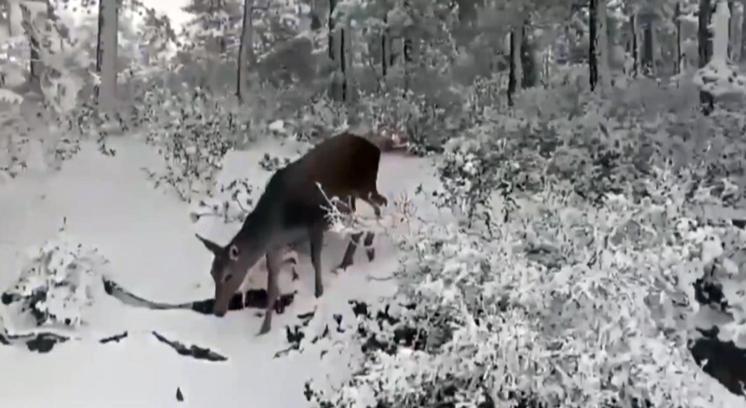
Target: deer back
345, 165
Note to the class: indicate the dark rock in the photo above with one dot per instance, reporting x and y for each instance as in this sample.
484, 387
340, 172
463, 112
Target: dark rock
197, 352
7, 298
359, 308
44, 342
725, 362
115, 338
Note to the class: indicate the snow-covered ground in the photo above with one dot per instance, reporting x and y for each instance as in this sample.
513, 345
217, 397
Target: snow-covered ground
149, 239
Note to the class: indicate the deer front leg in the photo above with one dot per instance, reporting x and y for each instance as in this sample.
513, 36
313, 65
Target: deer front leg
273, 265
370, 251
349, 254
316, 235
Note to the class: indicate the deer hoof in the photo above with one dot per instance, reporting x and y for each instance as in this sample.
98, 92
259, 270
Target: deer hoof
371, 253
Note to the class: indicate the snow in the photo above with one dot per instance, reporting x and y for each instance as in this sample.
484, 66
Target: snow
148, 238
718, 77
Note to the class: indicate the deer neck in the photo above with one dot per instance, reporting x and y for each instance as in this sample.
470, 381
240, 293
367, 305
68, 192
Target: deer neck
256, 231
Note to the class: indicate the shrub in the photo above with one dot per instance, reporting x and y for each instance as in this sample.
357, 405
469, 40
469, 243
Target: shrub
568, 304
198, 130
231, 202
59, 282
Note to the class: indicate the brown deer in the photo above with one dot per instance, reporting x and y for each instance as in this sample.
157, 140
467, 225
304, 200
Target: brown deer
292, 207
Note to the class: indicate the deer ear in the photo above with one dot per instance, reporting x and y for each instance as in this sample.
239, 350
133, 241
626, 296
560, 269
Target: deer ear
211, 246
233, 252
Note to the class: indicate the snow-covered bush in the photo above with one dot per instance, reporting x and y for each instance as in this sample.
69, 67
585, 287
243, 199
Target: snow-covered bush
58, 283
197, 131
231, 202
318, 119
428, 125
14, 139
567, 305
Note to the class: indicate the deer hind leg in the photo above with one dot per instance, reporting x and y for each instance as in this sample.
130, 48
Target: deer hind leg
349, 254
273, 266
370, 251
316, 235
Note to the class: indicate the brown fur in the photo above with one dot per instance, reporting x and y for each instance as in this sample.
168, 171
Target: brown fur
346, 166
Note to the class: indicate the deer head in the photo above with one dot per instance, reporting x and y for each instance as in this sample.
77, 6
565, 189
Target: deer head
230, 266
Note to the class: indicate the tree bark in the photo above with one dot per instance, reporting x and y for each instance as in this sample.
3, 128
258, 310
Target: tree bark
30, 22
602, 47
648, 54
704, 37
635, 27
245, 50
678, 62
528, 58
735, 32
343, 64
106, 53
384, 46
592, 44
330, 24
515, 72
743, 30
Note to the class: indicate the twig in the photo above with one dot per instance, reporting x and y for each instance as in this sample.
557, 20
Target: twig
380, 279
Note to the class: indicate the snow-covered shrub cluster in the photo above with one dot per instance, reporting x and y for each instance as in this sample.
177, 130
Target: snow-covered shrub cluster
568, 304
196, 131
427, 124
273, 163
14, 138
59, 282
315, 120
230, 202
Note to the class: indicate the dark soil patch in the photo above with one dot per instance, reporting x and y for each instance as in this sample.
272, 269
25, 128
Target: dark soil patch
200, 353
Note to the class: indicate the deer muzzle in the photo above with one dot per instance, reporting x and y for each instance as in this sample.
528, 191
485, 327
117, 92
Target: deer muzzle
220, 307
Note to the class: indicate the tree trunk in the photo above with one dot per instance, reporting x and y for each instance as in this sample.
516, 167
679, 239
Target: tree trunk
245, 50
592, 44
678, 66
30, 22
343, 64
704, 37
34, 69
14, 17
528, 58
384, 46
735, 32
743, 30
407, 54
514, 75
648, 54
330, 24
106, 53
602, 47
315, 16
635, 27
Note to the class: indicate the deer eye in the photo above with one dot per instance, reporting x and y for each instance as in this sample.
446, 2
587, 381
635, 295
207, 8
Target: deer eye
233, 253
227, 277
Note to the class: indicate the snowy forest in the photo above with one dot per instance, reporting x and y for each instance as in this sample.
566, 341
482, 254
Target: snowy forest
564, 218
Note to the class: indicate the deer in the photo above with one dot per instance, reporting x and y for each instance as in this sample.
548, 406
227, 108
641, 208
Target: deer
291, 208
